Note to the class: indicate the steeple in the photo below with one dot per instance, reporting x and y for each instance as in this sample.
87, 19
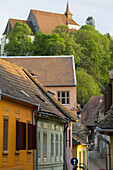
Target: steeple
68, 13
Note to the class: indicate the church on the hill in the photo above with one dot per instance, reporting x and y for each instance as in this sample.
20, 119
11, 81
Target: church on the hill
45, 21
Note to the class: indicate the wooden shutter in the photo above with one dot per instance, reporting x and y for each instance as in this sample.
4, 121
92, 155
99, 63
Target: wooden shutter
109, 96
105, 103
5, 134
20, 136
31, 136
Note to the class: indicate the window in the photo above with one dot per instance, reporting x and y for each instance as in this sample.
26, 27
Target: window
63, 97
39, 153
20, 135
60, 145
5, 134
52, 144
45, 145
56, 145
84, 157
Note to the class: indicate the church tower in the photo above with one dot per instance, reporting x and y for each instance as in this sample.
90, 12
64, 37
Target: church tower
68, 14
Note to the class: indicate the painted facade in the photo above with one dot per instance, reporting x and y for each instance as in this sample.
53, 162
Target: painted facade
11, 159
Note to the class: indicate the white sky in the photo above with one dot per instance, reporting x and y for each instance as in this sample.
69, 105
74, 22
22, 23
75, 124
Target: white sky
100, 10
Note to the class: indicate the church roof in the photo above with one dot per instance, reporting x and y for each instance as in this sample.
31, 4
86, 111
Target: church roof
47, 21
12, 22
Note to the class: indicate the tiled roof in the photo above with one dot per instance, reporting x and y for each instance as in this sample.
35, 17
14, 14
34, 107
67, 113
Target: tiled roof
15, 83
50, 71
90, 110
78, 138
12, 22
107, 122
47, 21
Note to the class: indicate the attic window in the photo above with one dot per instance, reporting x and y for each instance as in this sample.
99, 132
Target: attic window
40, 98
25, 93
34, 75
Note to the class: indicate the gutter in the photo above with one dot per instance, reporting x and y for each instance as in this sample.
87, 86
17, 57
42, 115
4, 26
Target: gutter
103, 130
35, 122
64, 154
16, 98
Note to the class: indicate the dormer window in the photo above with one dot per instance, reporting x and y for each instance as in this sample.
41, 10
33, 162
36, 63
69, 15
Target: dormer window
63, 97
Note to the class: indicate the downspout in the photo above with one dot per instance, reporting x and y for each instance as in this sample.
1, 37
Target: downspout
88, 147
65, 129
108, 150
35, 122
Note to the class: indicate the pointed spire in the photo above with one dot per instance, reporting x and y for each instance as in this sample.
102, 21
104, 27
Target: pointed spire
68, 13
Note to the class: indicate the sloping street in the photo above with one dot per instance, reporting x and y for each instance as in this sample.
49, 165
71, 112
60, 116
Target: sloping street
96, 161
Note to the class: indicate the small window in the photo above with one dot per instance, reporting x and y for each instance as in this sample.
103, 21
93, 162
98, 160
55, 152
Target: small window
45, 145
52, 145
84, 157
56, 145
63, 97
5, 134
39, 151
61, 143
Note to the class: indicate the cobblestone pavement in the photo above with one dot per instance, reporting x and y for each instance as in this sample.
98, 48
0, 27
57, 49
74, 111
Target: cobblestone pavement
96, 161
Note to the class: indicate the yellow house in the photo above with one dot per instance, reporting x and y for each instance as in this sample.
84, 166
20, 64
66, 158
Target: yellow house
80, 150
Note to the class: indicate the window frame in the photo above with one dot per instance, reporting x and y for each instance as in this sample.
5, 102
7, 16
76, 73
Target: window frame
5, 148
45, 142
66, 97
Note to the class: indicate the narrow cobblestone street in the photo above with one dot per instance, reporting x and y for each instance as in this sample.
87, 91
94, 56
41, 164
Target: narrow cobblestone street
96, 161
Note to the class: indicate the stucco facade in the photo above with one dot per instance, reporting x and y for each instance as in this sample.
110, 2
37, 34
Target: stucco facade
12, 159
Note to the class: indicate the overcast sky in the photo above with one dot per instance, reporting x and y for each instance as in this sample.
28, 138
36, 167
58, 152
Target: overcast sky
100, 10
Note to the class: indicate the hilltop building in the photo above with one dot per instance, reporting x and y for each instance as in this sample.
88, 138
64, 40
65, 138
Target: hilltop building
44, 21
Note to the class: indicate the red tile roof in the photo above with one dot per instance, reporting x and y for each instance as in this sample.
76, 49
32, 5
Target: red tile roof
47, 21
12, 22
50, 71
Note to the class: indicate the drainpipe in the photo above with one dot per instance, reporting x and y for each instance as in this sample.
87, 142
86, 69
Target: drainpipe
65, 129
35, 122
88, 147
108, 150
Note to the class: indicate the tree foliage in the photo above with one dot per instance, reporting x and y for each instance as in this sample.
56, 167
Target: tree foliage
90, 21
86, 86
19, 40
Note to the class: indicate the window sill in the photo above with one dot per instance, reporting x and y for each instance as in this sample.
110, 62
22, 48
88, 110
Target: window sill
5, 152
29, 151
66, 104
17, 152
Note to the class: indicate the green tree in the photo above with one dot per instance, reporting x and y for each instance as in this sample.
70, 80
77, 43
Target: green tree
95, 53
86, 86
19, 40
90, 21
